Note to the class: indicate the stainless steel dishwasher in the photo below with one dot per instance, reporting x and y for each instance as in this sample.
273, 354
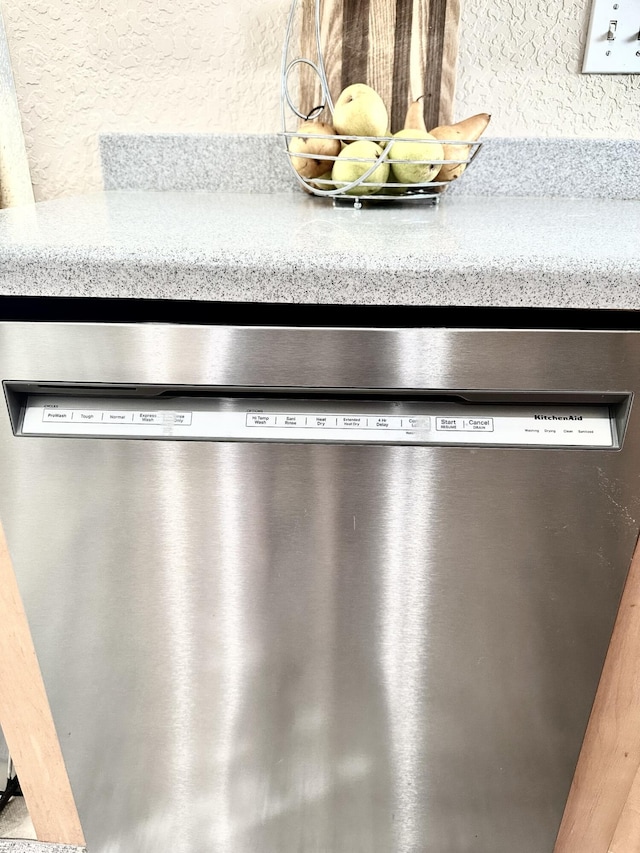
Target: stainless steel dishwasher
319, 590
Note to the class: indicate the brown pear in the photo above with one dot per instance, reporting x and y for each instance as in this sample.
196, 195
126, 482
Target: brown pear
414, 119
469, 130
318, 139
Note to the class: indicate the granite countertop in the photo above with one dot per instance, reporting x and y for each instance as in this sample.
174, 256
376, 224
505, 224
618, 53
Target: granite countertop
17, 845
287, 247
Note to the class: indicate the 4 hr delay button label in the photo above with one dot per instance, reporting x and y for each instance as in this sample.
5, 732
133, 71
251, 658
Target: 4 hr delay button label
465, 424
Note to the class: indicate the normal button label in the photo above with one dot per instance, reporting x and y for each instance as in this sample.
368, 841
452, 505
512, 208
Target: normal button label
117, 417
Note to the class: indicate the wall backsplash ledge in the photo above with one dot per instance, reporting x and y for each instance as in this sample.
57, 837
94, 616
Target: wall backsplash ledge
251, 163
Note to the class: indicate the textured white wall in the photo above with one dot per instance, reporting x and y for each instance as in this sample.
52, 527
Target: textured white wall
85, 66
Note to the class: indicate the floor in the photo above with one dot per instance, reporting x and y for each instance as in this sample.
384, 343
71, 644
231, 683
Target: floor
15, 821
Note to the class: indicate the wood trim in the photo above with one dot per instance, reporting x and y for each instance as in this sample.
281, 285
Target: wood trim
603, 803
381, 56
27, 723
435, 48
15, 180
449, 63
401, 64
626, 838
355, 41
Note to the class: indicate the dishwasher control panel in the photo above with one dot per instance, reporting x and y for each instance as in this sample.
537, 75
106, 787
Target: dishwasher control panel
320, 421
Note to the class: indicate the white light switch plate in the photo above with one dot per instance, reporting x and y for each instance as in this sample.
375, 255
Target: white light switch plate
613, 46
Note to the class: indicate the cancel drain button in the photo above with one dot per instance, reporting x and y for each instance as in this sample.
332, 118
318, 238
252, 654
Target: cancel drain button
479, 424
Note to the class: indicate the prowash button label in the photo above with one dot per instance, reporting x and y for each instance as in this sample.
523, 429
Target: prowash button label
57, 415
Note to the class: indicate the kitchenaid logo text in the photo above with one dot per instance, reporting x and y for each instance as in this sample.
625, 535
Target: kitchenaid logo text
557, 417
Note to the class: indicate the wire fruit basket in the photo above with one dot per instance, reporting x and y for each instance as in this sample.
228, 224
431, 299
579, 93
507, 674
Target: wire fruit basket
370, 169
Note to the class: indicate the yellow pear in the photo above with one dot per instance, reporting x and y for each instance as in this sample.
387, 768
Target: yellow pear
360, 111
309, 142
417, 149
414, 119
346, 169
318, 183
469, 130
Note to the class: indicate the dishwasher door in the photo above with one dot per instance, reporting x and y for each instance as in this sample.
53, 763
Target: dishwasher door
261, 635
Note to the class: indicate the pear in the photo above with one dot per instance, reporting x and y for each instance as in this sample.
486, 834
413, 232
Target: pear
360, 111
345, 170
469, 130
328, 146
317, 184
419, 149
414, 119
394, 190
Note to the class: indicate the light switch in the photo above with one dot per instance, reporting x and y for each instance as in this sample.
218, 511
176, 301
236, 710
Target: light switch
613, 40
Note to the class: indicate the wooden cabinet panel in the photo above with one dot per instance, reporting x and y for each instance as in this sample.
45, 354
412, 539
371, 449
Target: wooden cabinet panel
27, 723
602, 809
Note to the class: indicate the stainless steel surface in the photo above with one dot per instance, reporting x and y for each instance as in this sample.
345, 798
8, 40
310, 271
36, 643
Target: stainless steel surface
295, 648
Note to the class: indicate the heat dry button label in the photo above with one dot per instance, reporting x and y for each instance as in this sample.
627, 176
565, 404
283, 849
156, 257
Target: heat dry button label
321, 421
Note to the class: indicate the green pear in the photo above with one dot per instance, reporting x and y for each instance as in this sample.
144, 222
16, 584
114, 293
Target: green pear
417, 150
388, 190
360, 111
319, 184
346, 170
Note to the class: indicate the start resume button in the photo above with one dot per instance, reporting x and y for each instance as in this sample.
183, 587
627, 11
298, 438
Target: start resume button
445, 424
